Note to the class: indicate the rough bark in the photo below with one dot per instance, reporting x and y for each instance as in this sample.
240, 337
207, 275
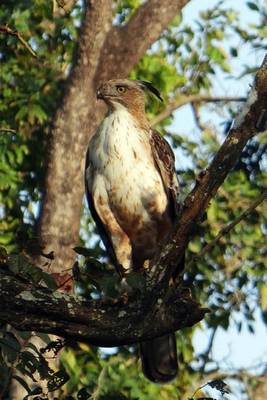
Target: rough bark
28, 307
126, 45
104, 52
60, 214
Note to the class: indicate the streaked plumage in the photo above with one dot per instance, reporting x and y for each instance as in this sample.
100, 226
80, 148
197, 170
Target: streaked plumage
131, 189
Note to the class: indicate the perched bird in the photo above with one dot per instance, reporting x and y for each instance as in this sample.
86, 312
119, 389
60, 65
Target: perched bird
131, 187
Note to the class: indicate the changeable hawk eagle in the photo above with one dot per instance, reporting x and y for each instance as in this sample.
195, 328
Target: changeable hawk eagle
131, 187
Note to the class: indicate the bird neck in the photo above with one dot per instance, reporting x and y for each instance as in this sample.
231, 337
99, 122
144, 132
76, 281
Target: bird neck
136, 109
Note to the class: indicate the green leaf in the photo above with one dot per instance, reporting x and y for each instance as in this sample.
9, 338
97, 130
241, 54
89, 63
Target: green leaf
234, 51
25, 335
252, 6
29, 362
21, 19
83, 394
23, 111
10, 347
36, 391
136, 281
49, 280
109, 285
58, 379
36, 113
219, 385
84, 251
45, 338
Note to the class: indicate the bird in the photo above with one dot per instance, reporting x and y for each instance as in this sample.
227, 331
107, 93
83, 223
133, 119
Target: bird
132, 192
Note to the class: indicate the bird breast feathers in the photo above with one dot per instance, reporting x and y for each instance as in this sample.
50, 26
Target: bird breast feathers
121, 158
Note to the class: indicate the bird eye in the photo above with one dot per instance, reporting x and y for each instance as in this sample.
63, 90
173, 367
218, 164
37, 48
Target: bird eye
121, 89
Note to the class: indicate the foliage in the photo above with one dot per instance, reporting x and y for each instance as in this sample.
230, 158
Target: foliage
30, 90
229, 279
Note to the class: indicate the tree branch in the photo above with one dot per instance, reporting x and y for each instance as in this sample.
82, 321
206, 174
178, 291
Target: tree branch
8, 130
205, 357
196, 114
126, 45
186, 99
9, 31
235, 374
251, 120
29, 307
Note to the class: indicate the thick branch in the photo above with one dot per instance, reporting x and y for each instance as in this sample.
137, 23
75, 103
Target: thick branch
27, 307
183, 100
251, 120
126, 45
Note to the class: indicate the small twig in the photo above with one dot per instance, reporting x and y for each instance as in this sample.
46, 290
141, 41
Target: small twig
8, 130
58, 4
9, 31
208, 350
97, 392
61, 3
226, 229
186, 99
196, 113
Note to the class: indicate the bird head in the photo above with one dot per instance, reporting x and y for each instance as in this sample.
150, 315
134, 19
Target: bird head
125, 92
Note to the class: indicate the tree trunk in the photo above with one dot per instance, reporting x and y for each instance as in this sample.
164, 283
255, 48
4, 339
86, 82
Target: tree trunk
60, 215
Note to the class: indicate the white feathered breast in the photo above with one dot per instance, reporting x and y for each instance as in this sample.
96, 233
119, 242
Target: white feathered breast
123, 176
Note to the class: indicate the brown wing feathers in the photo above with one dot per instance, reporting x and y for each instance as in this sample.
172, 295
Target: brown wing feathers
165, 162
